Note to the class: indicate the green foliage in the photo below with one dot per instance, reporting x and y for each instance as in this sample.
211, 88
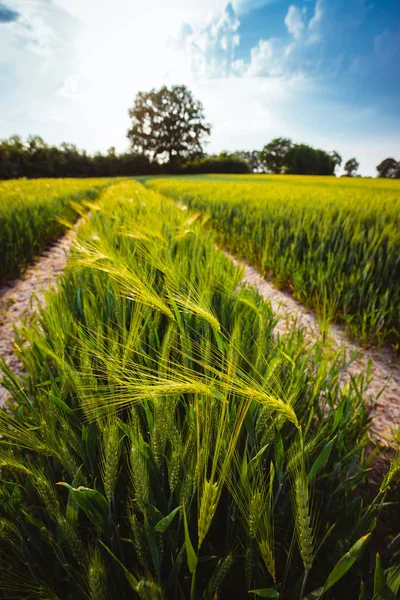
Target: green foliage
351, 167
168, 124
223, 163
193, 448
334, 242
305, 160
30, 213
35, 158
274, 155
389, 168
282, 156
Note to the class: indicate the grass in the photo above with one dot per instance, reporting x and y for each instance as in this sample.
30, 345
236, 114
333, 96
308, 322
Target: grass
333, 242
33, 213
165, 444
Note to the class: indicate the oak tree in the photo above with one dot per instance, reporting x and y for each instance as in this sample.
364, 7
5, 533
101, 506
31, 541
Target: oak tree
168, 124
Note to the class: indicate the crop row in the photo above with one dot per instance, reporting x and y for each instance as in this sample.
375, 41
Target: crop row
335, 243
29, 213
165, 445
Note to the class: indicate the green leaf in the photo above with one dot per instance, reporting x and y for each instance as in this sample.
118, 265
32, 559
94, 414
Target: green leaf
62, 405
154, 515
190, 553
49, 381
279, 453
133, 582
379, 577
125, 427
309, 421
327, 534
346, 562
155, 554
92, 502
390, 586
243, 471
249, 424
149, 415
362, 592
322, 458
89, 442
72, 512
265, 593
164, 523
393, 580
217, 395
314, 595
256, 459
176, 568
31, 520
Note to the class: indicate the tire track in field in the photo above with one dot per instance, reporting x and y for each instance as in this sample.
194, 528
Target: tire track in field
19, 299
384, 389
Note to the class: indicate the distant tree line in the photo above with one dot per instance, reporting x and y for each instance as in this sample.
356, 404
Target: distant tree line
282, 156
34, 158
167, 134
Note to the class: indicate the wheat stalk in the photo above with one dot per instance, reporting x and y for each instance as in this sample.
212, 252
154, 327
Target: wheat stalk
9, 532
139, 538
303, 521
139, 472
207, 508
111, 449
96, 576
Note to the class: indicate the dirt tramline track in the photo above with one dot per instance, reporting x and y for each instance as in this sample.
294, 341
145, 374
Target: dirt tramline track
385, 371
20, 300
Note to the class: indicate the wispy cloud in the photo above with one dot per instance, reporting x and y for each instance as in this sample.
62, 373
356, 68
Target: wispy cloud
210, 49
294, 21
267, 59
288, 58
31, 25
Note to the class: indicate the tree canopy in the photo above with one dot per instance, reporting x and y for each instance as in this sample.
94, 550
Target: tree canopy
351, 167
168, 124
337, 159
305, 160
389, 168
274, 154
252, 157
282, 156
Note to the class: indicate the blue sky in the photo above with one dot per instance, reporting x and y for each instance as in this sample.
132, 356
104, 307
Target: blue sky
324, 72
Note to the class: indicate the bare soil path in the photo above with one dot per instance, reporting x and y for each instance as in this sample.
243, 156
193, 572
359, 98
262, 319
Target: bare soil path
19, 299
385, 409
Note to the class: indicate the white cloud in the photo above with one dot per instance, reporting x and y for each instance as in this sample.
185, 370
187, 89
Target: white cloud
272, 57
246, 114
210, 49
315, 23
31, 28
294, 21
338, 18
265, 59
170, 15
72, 86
